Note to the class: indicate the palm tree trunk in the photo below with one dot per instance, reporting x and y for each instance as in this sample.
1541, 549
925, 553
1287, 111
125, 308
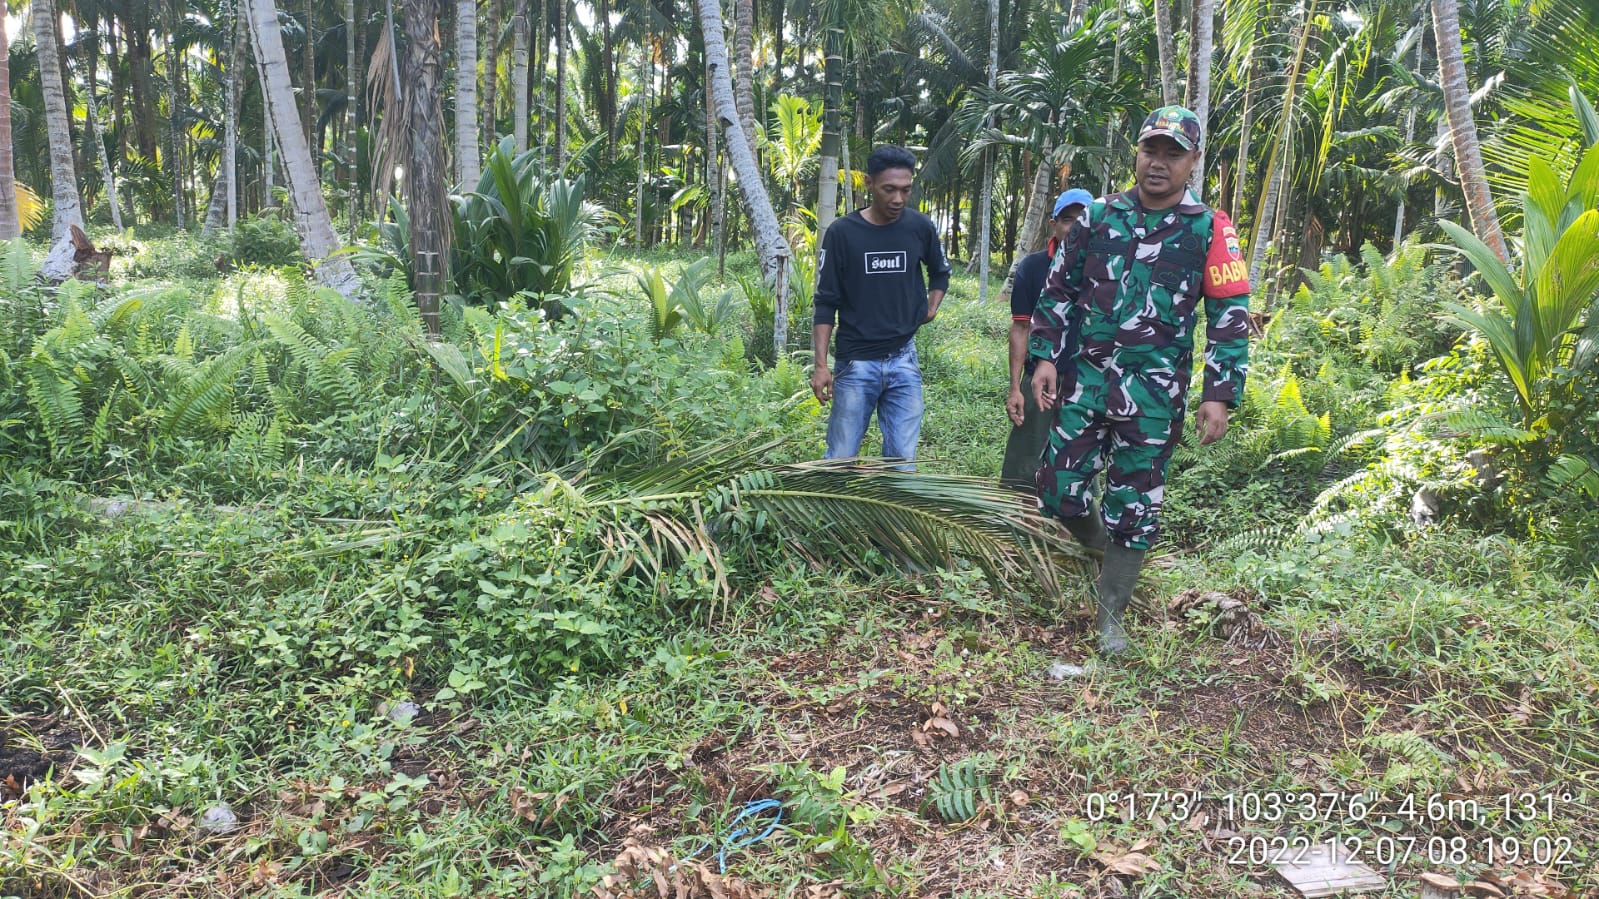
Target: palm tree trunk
560, 84
608, 69
10, 229
1246, 126
467, 166
1167, 51
538, 69
426, 180
269, 160
519, 75
986, 198
317, 239
308, 74
1463, 128
1399, 214
63, 176
643, 131
489, 44
352, 88
224, 208
119, 87
849, 175
832, 99
1199, 76
770, 247
744, 74
141, 66
1276, 156
92, 111
713, 176
1032, 233
1112, 119
174, 129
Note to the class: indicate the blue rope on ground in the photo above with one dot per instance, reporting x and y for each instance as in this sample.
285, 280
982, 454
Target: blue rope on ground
739, 837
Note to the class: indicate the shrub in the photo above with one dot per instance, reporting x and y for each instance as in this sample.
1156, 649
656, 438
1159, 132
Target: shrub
264, 240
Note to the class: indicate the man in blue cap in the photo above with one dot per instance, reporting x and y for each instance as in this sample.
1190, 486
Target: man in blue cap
1031, 425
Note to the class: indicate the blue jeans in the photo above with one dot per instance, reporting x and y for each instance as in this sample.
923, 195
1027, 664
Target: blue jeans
892, 387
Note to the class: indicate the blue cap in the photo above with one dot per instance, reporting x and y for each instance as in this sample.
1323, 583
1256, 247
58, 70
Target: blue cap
1076, 196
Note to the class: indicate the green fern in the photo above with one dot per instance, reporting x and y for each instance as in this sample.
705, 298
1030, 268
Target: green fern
17, 270
202, 404
958, 792
1575, 473
55, 399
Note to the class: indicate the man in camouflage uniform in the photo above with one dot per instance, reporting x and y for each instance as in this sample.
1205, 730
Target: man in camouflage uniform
1113, 336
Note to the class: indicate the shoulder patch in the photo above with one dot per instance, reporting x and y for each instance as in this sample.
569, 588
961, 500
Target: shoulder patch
1226, 273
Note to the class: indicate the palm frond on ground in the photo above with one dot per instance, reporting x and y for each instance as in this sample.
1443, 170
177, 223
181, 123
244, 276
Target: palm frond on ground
718, 500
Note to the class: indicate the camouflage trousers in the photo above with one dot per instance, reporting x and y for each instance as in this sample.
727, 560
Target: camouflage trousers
1133, 453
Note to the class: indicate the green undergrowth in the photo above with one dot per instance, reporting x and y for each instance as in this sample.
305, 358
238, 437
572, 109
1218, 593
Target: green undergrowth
398, 605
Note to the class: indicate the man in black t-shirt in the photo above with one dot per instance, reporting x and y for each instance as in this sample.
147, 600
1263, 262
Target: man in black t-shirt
869, 278
1025, 446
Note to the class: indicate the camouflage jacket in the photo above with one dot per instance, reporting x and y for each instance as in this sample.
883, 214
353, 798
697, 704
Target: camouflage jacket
1126, 285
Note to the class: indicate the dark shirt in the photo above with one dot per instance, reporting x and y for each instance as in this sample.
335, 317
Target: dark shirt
870, 278
1029, 284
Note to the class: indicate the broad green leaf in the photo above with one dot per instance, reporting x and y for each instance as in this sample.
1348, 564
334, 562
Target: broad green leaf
1487, 264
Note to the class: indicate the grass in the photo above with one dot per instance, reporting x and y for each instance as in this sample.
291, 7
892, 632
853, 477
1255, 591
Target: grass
187, 655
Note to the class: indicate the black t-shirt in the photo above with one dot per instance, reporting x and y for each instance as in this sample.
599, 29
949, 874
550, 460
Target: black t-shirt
1030, 275
870, 278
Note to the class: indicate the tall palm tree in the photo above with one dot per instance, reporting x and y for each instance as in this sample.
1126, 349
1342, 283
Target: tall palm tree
352, 82
1168, 52
1463, 128
224, 208
519, 48
468, 168
1276, 165
562, 39
832, 98
848, 26
92, 111
9, 226
986, 196
1204, 41
175, 104
1053, 118
744, 74
63, 175
314, 224
426, 182
771, 248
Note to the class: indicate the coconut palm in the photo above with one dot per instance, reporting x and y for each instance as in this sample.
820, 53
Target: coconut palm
63, 175
1463, 128
312, 221
771, 248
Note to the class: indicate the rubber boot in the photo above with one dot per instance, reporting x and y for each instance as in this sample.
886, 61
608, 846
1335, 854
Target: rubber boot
1089, 530
1117, 578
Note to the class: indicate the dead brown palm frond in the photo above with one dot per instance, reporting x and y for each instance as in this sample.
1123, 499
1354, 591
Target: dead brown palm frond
384, 93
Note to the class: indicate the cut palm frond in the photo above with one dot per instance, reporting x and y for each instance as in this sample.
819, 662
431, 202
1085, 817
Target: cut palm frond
698, 505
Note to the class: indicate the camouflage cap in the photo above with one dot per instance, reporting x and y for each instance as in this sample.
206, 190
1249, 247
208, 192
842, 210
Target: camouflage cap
1176, 122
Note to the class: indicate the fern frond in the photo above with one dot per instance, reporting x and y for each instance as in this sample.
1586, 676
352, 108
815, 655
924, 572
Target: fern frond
958, 791
202, 404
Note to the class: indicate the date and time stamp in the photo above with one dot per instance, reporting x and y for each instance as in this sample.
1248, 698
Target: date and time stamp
1366, 827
